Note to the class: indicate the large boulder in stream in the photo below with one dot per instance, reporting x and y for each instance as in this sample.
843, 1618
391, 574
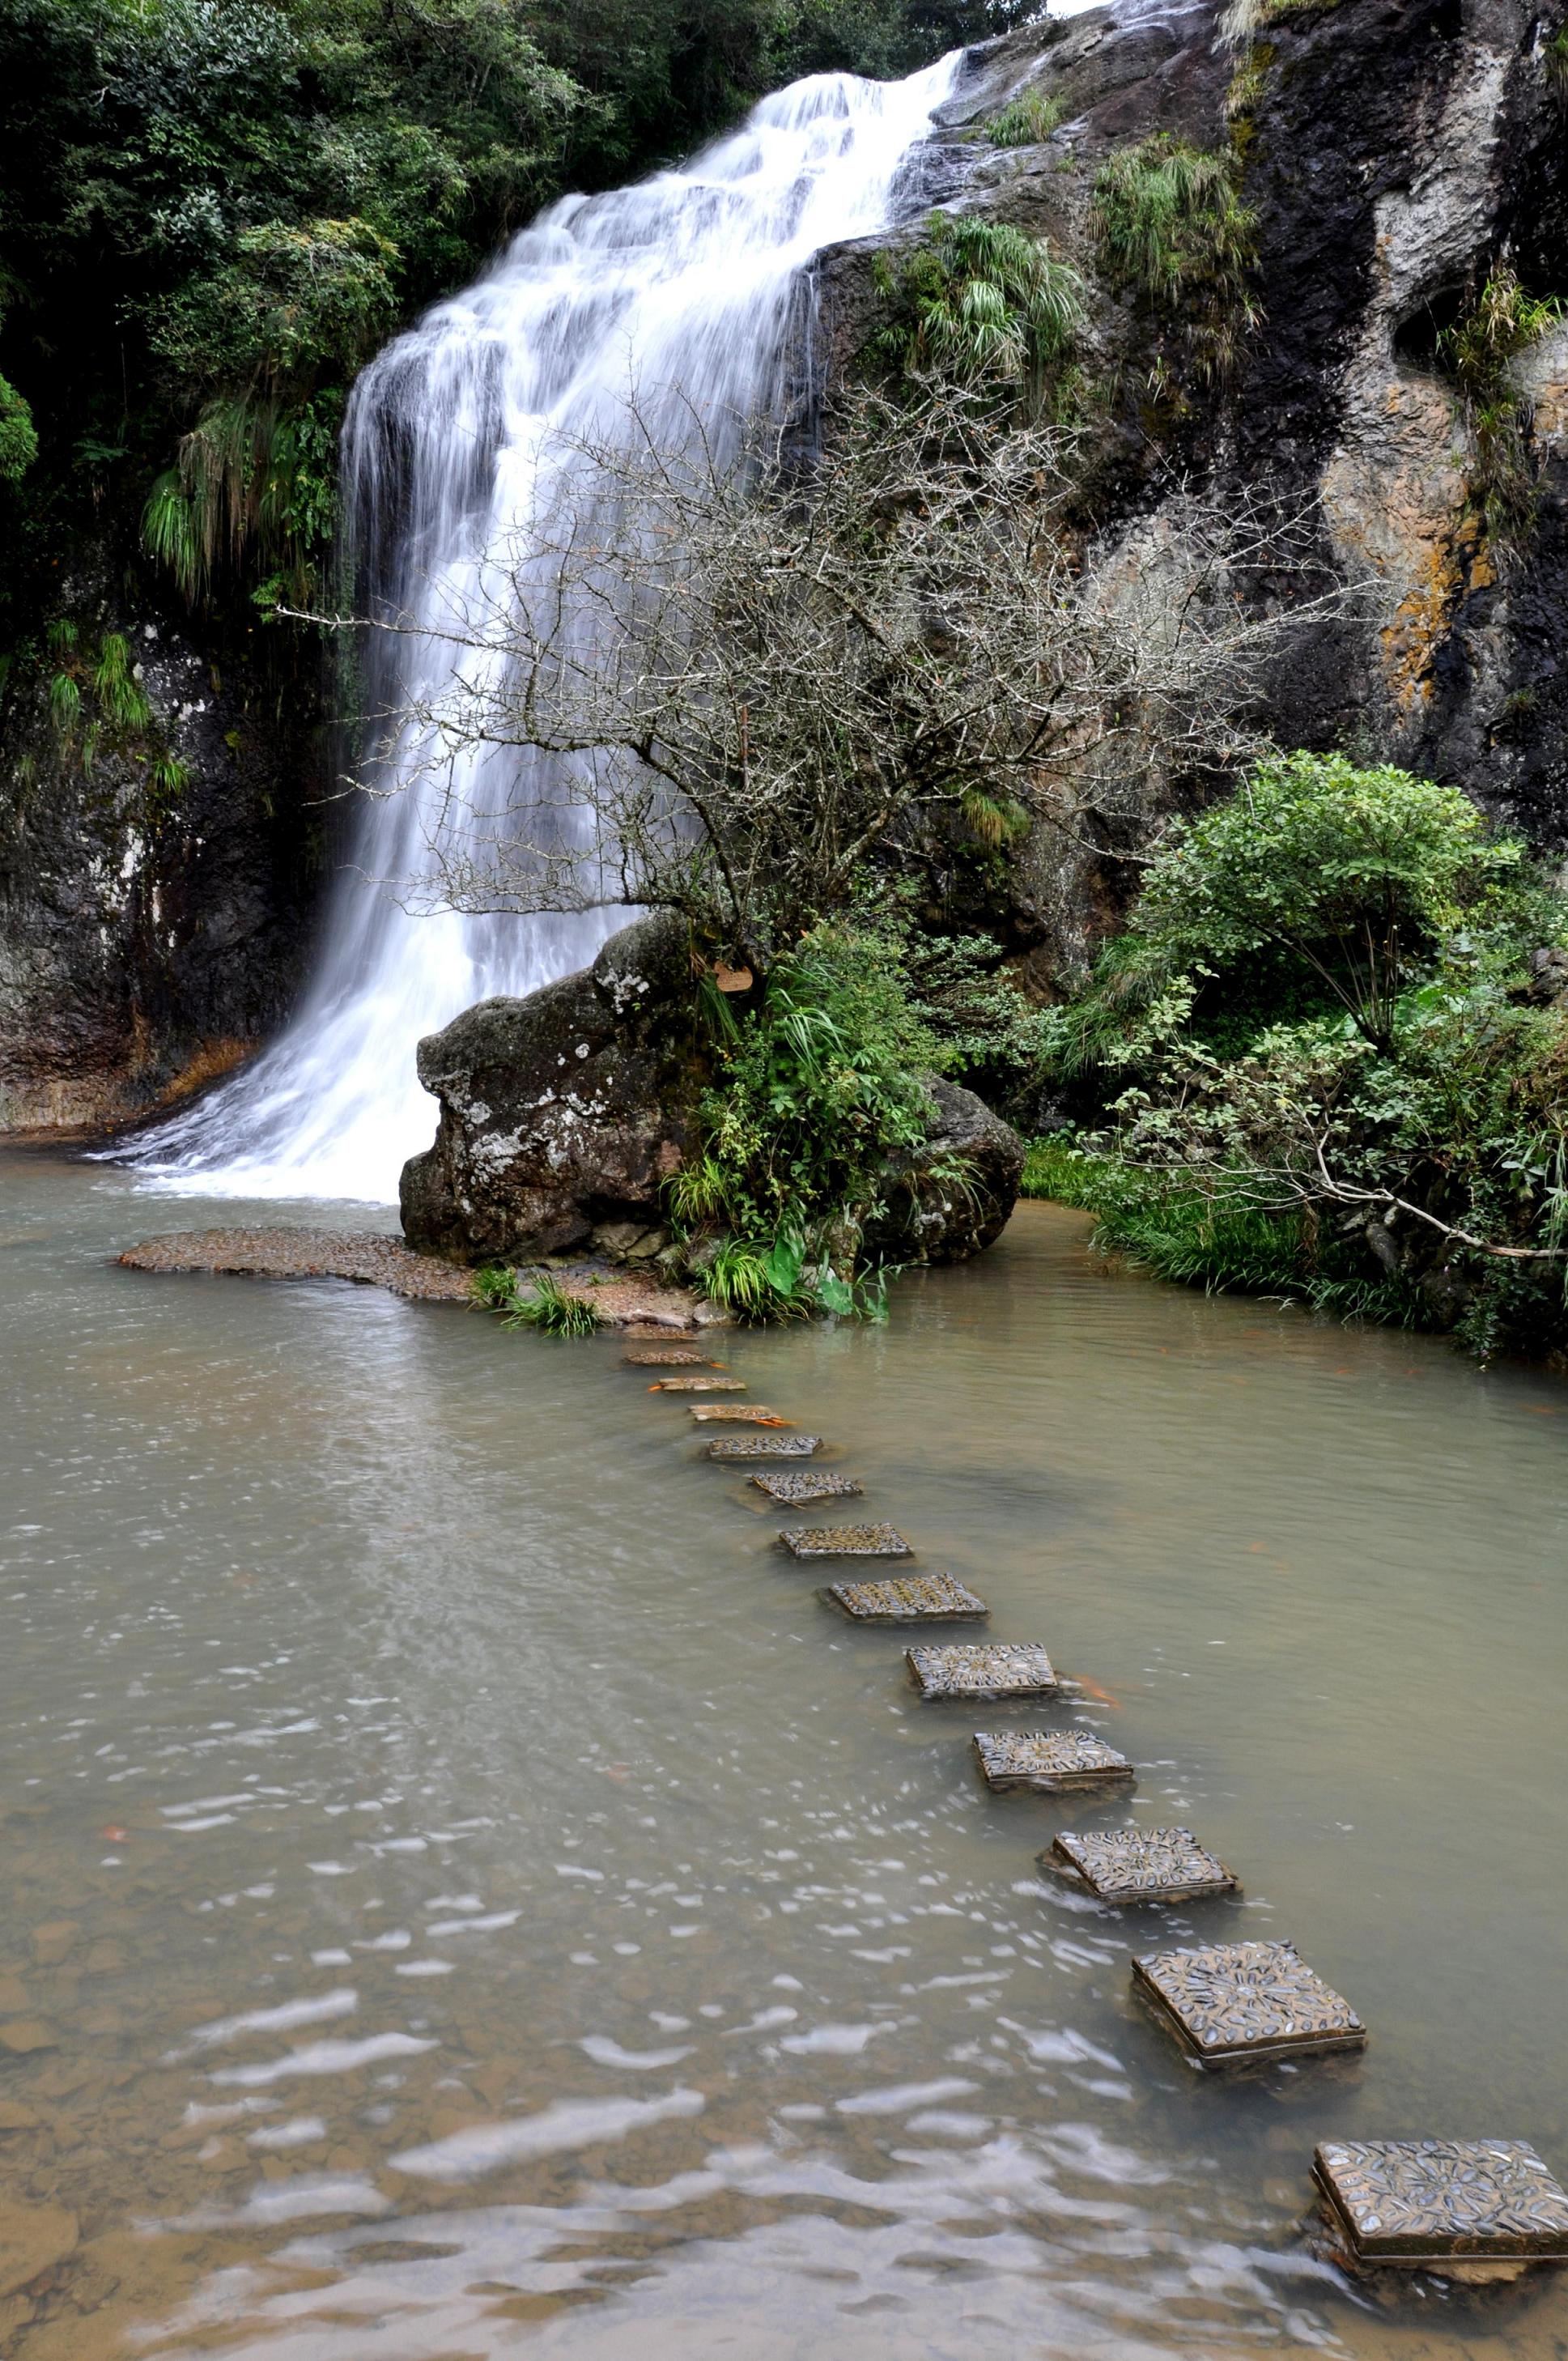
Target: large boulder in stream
563, 1114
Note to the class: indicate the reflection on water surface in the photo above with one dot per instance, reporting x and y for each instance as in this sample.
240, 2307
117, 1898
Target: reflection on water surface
464, 1895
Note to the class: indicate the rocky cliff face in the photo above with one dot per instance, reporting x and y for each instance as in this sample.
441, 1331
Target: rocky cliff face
1399, 153
157, 879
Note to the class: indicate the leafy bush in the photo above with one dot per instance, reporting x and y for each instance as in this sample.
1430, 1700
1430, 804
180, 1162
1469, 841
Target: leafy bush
980, 305
812, 1092
1503, 322
1386, 1130
1170, 225
1026, 121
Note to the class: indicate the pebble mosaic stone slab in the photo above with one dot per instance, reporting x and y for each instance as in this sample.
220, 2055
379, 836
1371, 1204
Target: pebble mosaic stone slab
744, 1414
668, 1356
912, 1599
697, 1386
809, 1484
1410, 2201
765, 1447
1246, 2000
1051, 1762
1142, 1865
845, 1541
982, 1669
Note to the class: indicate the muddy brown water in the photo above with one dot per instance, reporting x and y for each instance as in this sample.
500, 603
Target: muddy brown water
464, 1897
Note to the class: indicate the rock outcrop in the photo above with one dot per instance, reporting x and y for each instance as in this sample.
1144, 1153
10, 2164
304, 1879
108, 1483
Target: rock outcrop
1396, 153
560, 1113
951, 1197
563, 1114
156, 882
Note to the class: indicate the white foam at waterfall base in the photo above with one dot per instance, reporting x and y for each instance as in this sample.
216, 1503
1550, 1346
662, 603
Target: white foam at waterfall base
681, 286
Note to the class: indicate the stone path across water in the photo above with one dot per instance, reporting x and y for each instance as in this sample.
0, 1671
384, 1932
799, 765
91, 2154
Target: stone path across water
1480, 2208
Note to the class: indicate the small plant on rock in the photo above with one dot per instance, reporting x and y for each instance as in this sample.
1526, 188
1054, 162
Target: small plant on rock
981, 305
1026, 121
554, 1310
1171, 225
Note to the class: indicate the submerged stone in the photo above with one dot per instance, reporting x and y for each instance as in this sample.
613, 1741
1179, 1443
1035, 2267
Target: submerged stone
1228, 2002
668, 1356
765, 1447
999, 1668
1140, 1865
815, 1484
1408, 2202
744, 1414
909, 1598
845, 1541
697, 1386
1051, 1762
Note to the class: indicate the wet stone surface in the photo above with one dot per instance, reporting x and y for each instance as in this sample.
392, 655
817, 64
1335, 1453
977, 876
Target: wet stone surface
670, 1357
1141, 1865
845, 1541
909, 1598
816, 1484
764, 1447
1415, 2202
1051, 1762
1238, 2001
698, 1386
983, 1669
740, 1413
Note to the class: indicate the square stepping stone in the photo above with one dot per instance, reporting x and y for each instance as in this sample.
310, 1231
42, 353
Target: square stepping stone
1229, 2002
1406, 2202
669, 1357
845, 1541
808, 1484
1140, 1865
1049, 1762
983, 1669
697, 1386
765, 1447
909, 1598
744, 1413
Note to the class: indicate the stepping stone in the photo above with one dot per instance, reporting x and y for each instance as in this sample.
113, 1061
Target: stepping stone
814, 1484
845, 1541
669, 1357
1049, 1762
911, 1598
1409, 2203
745, 1413
697, 1386
983, 1669
1229, 2001
765, 1447
1140, 1865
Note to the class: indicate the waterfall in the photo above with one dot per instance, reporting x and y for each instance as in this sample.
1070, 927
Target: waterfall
683, 283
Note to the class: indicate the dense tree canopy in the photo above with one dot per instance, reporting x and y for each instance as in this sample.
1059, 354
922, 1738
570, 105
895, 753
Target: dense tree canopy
206, 204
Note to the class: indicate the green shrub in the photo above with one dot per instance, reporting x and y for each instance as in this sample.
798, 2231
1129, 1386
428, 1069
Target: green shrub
18, 435
552, 1310
812, 1093
1026, 121
1170, 226
1325, 1063
981, 304
1479, 349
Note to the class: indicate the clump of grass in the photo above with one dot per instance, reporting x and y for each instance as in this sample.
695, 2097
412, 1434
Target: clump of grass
494, 1289
554, 1310
1479, 350
1170, 225
984, 305
1026, 121
1554, 64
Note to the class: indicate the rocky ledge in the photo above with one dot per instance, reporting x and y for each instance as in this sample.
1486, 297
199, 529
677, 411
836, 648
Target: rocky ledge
563, 1114
375, 1260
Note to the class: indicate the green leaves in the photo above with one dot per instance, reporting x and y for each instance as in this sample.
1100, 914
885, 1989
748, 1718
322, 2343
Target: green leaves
981, 305
1171, 224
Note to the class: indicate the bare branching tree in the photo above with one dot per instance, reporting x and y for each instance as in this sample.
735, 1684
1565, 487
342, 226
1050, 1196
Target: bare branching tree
729, 685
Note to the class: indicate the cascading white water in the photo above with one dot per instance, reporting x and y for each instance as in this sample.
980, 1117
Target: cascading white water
681, 283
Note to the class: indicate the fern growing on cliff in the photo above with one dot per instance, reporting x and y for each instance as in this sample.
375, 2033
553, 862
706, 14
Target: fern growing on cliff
1480, 350
1171, 228
981, 305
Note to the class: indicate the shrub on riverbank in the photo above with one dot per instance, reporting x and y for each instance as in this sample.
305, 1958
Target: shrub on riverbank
1327, 1059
